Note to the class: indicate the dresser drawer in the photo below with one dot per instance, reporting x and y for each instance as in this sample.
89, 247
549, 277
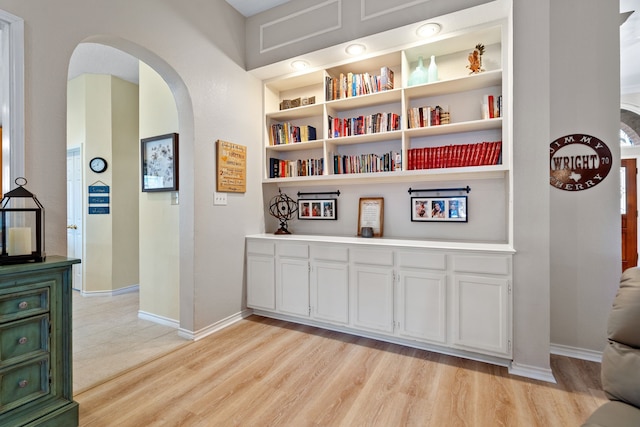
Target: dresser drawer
23, 383
24, 338
22, 304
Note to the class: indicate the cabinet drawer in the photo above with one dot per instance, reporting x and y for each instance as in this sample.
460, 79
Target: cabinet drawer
23, 338
330, 253
23, 304
482, 264
292, 250
23, 383
260, 248
372, 257
428, 260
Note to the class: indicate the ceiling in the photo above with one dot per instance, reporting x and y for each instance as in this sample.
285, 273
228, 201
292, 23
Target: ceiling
92, 58
251, 7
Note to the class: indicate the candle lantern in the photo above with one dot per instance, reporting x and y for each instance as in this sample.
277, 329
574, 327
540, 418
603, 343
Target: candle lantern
22, 227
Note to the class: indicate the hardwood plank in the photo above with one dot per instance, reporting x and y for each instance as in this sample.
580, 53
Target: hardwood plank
268, 372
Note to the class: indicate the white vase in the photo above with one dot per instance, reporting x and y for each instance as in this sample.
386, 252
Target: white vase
419, 75
433, 70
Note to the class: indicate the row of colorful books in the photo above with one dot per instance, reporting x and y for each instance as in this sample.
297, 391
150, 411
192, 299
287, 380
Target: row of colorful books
362, 125
287, 133
349, 85
366, 163
419, 117
452, 156
279, 168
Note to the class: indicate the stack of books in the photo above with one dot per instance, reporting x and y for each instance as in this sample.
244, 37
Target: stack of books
362, 125
453, 156
279, 168
419, 117
286, 133
350, 84
366, 163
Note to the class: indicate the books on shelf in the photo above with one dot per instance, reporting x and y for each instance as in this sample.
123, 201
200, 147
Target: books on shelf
366, 163
452, 156
349, 85
491, 106
419, 117
287, 133
362, 125
279, 168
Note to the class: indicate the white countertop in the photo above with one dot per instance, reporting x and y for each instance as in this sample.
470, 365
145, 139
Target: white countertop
393, 242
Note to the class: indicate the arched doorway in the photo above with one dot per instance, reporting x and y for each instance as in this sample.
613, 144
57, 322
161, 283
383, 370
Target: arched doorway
178, 95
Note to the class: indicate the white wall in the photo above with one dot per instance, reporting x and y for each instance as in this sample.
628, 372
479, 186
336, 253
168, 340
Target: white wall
198, 48
201, 60
585, 225
159, 218
102, 113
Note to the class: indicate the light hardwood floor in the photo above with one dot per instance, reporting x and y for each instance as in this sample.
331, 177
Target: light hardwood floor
265, 372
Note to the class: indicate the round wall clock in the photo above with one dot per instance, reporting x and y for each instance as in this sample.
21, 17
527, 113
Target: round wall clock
98, 164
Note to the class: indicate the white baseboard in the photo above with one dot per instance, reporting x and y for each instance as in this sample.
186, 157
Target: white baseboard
533, 372
576, 353
161, 320
121, 291
195, 336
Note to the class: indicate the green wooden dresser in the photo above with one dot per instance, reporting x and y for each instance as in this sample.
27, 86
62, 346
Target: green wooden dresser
35, 344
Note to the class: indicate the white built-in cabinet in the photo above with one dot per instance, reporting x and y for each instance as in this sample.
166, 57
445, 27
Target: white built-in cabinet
454, 297
448, 298
261, 280
330, 284
457, 91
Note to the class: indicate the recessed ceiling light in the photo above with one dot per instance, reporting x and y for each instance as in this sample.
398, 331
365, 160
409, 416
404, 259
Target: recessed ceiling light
428, 30
299, 64
355, 49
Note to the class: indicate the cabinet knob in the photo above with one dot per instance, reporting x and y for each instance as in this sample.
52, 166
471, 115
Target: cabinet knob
23, 305
23, 383
22, 340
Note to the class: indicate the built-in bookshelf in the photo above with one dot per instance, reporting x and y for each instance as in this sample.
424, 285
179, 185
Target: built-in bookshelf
362, 120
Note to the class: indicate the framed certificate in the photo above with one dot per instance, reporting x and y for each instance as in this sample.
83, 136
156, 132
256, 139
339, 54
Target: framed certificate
371, 214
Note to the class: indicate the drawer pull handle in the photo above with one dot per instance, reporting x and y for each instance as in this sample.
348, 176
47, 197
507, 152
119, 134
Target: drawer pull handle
23, 305
22, 340
23, 383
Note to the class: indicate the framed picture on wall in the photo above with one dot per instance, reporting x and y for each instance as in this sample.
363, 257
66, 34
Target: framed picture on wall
159, 163
318, 209
371, 215
439, 209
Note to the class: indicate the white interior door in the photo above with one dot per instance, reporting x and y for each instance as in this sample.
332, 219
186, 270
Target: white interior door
74, 213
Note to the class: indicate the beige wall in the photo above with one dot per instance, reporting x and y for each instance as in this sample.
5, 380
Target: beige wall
103, 119
159, 218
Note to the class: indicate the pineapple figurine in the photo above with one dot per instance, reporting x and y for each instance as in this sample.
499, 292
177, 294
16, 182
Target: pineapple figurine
475, 59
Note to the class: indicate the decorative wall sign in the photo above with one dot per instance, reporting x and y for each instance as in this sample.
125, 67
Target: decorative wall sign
578, 162
231, 167
98, 200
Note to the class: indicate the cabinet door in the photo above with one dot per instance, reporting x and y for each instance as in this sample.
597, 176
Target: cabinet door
421, 305
330, 291
261, 289
373, 298
481, 307
292, 277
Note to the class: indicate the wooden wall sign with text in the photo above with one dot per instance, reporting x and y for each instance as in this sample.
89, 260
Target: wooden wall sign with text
578, 162
231, 167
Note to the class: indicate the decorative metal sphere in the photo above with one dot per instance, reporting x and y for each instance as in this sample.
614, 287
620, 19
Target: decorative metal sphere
283, 208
